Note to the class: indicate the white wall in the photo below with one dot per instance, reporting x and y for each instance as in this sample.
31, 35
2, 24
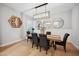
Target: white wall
0, 30
7, 33
67, 27
27, 25
75, 26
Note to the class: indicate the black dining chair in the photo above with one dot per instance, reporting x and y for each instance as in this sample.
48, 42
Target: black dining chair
35, 39
44, 43
28, 35
62, 43
48, 33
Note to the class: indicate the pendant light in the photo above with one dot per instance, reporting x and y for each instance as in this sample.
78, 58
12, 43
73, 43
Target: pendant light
37, 16
43, 28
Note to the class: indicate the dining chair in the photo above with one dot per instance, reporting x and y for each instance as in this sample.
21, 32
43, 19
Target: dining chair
44, 43
28, 35
62, 43
48, 33
35, 39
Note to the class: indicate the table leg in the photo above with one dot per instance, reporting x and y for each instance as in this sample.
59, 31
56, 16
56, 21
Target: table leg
54, 46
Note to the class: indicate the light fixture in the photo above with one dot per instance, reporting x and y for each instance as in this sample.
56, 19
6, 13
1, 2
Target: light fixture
15, 22
41, 15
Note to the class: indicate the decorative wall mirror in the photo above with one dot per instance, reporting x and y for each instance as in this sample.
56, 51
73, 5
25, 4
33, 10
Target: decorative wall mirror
15, 22
58, 23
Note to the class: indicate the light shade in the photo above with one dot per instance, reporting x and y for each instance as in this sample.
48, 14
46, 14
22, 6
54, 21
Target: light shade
15, 22
42, 15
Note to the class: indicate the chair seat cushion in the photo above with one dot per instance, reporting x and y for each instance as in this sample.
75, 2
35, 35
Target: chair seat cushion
59, 43
30, 37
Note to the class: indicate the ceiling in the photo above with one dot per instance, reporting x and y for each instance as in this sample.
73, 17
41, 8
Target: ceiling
27, 8
21, 7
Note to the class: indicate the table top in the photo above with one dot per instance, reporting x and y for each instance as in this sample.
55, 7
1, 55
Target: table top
54, 37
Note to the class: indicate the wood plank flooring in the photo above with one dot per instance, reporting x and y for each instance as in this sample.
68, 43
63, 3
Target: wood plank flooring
25, 49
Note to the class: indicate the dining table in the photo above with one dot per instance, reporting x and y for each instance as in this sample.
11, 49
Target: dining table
54, 38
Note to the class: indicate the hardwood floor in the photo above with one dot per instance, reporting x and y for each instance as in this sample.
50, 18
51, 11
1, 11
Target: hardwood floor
25, 49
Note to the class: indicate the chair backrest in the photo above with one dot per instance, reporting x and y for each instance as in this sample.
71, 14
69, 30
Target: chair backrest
34, 38
43, 40
28, 32
65, 38
48, 33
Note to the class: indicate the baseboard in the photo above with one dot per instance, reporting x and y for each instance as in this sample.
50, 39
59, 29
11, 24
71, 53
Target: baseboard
10, 43
75, 45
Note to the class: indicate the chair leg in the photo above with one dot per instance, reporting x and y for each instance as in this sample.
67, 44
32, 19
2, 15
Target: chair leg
37, 46
32, 45
30, 39
27, 40
40, 48
54, 47
52, 43
65, 49
46, 50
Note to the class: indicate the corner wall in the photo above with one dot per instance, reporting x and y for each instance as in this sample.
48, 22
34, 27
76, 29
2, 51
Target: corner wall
75, 26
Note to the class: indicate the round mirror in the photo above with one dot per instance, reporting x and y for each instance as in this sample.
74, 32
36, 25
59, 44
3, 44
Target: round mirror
58, 23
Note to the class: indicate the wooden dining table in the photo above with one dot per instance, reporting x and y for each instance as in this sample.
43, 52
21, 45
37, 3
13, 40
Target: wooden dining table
54, 38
